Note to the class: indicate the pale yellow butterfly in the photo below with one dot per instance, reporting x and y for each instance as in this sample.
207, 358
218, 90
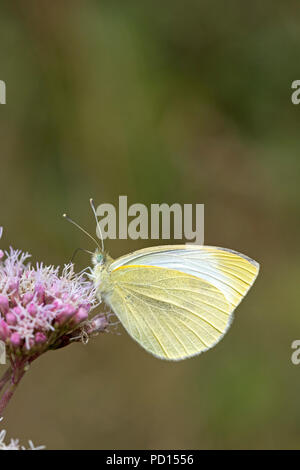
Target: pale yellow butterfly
176, 301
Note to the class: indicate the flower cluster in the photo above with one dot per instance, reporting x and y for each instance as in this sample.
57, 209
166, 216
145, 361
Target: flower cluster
41, 308
14, 443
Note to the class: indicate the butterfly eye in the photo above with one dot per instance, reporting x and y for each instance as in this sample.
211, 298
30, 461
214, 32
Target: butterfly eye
99, 258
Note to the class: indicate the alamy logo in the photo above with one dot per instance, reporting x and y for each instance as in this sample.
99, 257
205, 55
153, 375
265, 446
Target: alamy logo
2, 92
296, 94
136, 221
295, 357
2, 352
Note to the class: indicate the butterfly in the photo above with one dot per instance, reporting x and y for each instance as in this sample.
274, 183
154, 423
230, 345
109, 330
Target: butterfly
176, 301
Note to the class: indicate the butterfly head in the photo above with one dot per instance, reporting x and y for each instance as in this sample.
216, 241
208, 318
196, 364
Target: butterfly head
98, 258
101, 259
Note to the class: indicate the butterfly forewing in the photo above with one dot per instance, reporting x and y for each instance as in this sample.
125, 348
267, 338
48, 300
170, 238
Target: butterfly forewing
229, 271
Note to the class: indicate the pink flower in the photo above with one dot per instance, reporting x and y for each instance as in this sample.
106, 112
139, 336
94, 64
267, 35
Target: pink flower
41, 308
39, 304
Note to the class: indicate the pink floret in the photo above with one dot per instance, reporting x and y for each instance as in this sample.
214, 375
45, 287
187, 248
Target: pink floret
40, 303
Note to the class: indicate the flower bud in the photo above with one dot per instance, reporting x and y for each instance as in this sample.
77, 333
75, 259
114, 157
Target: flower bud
27, 297
15, 339
67, 312
17, 310
40, 337
32, 309
81, 315
4, 330
40, 293
4, 304
11, 319
14, 285
56, 305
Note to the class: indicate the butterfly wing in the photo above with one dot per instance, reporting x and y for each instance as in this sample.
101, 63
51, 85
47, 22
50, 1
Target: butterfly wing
171, 314
229, 271
177, 301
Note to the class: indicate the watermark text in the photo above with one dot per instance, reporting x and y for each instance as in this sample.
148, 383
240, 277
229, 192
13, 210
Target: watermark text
2, 92
296, 94
162, 221
2, 353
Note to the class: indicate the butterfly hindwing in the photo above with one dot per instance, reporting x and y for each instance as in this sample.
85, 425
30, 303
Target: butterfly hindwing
171, 314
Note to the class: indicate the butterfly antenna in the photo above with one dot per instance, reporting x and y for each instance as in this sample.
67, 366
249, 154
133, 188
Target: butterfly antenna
80, 228
97, 221
80, 249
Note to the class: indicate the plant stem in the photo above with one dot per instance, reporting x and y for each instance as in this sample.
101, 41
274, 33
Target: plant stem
15, 376
5, 378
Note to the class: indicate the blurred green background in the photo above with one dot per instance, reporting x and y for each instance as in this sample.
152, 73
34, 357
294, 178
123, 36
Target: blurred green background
170, 101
